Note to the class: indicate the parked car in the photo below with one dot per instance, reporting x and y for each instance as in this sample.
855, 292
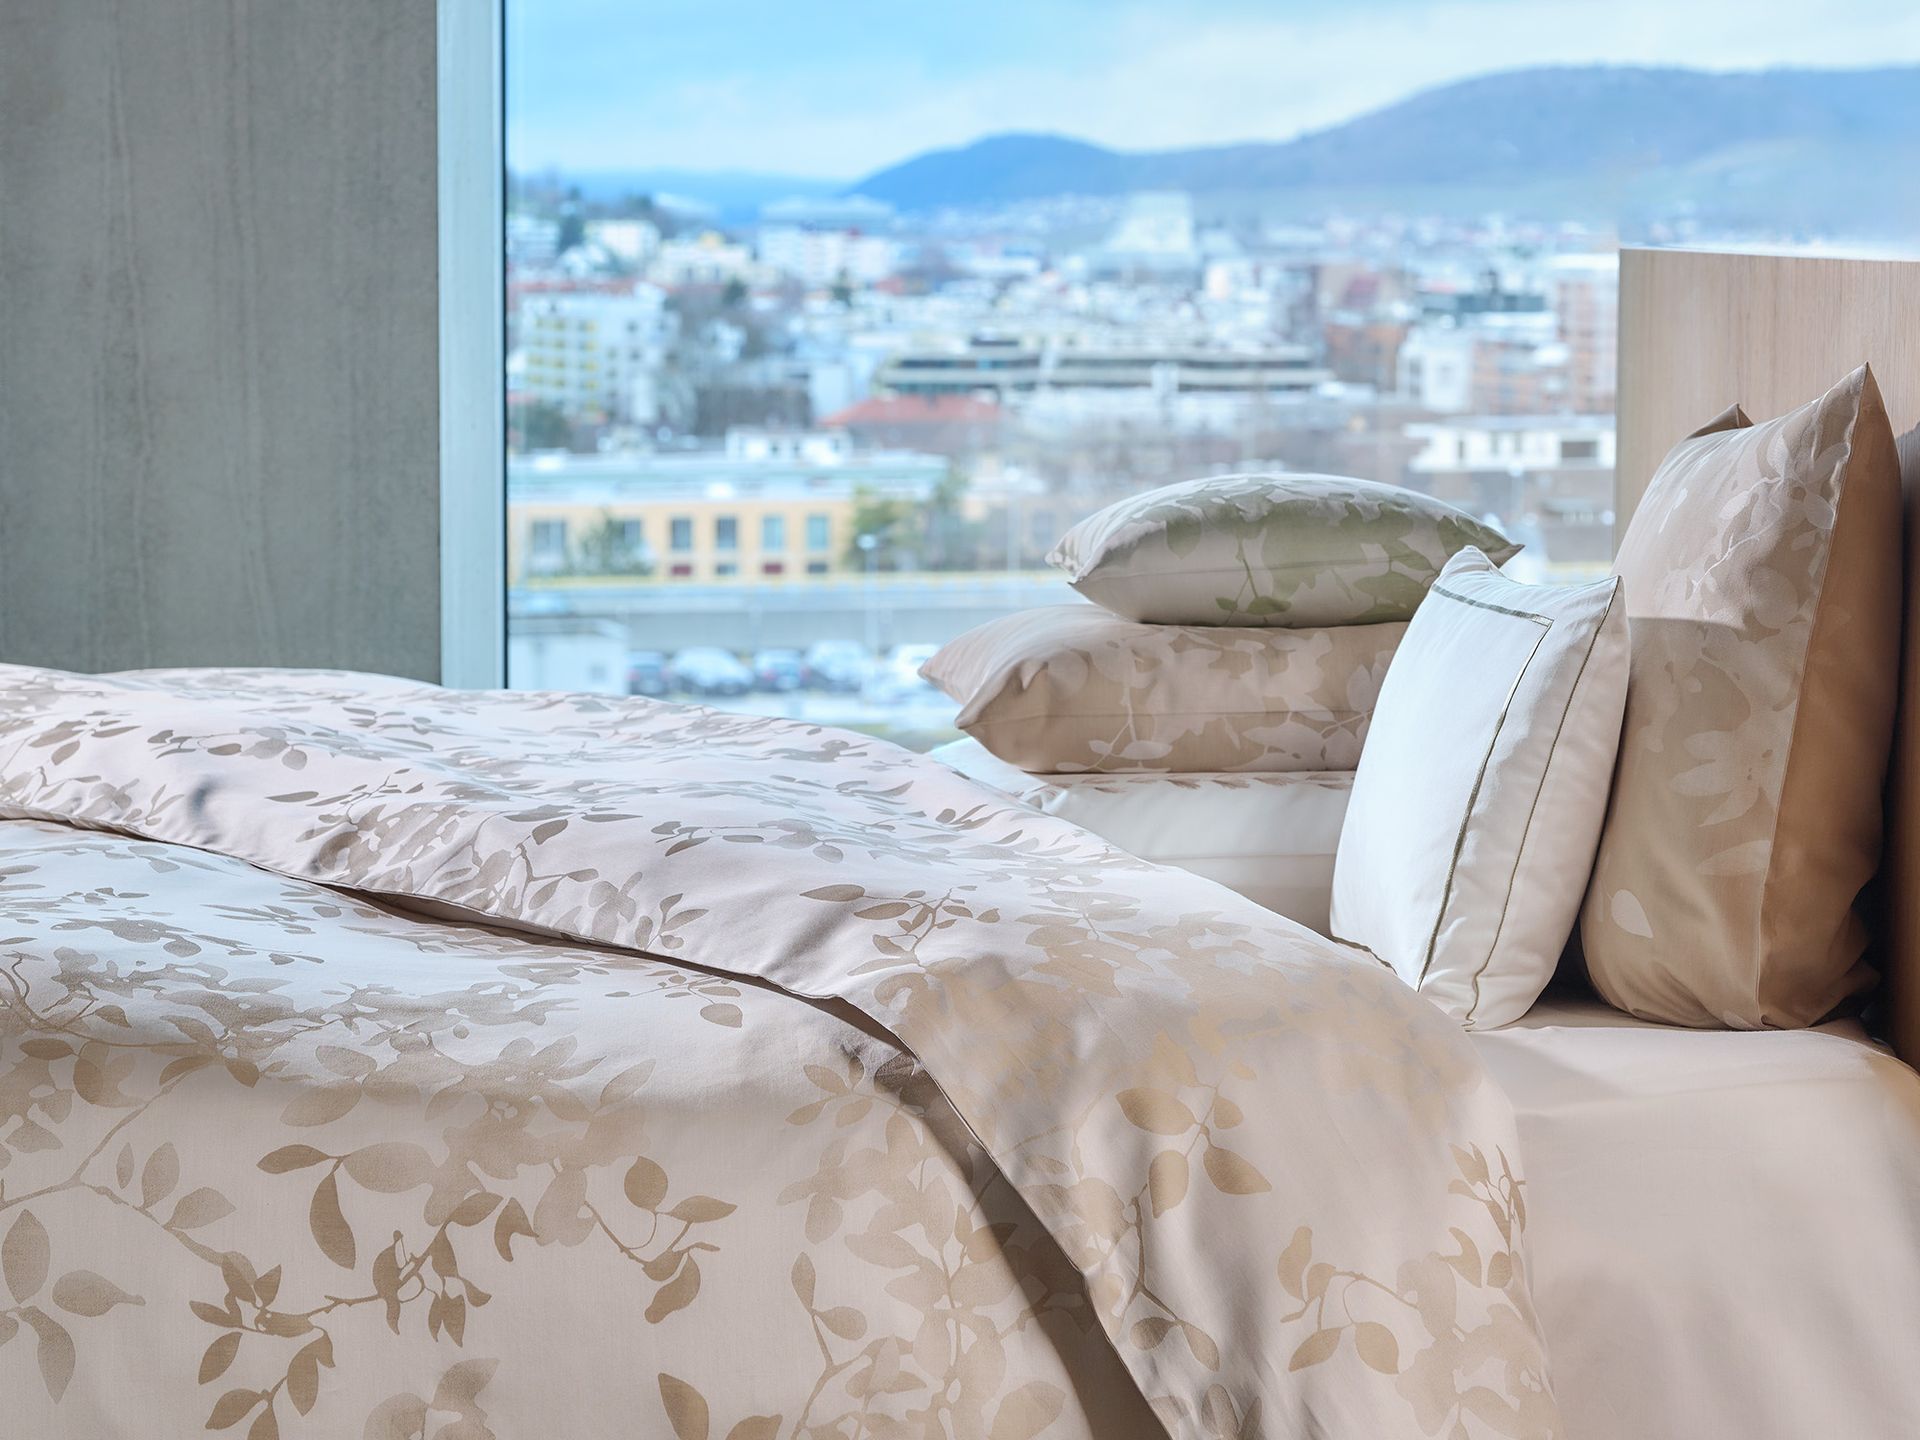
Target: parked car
837, 665
647, 673
896, 680
780, 671
708, 670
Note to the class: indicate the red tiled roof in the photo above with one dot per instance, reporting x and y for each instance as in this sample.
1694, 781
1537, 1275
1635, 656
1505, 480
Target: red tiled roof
915, 410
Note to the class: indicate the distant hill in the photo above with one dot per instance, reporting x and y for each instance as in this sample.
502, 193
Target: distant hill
1776, 147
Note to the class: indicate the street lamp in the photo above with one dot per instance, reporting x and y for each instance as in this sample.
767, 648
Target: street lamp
870, 547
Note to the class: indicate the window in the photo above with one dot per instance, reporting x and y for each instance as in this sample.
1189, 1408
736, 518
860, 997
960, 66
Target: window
912, 381
547, 546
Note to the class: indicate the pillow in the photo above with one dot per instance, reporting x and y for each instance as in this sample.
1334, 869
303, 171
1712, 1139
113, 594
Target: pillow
1283, 550
1070, 688
1479, 797
1271, 838
1762, 575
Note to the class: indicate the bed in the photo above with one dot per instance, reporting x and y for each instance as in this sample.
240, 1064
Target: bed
377, 1060
1724, 1226
1269, 837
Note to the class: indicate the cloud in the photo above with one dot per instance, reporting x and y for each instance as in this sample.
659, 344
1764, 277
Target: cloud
844, 99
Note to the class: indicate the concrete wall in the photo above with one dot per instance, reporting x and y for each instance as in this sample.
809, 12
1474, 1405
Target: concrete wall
218, 383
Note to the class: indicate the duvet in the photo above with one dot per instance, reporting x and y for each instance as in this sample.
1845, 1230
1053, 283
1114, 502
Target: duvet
388, 1061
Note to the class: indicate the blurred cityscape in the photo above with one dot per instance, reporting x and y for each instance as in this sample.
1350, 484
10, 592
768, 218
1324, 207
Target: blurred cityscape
774, 464
770, 455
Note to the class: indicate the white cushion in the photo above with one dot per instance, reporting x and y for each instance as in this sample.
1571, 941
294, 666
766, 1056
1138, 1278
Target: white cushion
1479, 796
1269, 837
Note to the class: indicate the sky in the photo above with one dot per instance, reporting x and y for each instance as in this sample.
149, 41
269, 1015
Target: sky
839, 88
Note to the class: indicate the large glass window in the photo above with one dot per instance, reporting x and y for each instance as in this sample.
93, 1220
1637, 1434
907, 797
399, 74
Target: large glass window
782, 268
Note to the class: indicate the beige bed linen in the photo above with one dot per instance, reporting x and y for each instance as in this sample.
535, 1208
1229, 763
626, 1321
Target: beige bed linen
309, 1095
1131, 1047
1725, 1225
1070, 689
1270, 838
1273, 549
1762, 578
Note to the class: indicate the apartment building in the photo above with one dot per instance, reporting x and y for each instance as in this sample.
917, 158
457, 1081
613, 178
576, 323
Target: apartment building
991, 366
818, 258
709, 258
1586, 291
587, 352
1549, 476
765, 506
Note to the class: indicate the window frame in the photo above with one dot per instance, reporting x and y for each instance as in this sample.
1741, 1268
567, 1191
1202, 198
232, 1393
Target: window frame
471, 95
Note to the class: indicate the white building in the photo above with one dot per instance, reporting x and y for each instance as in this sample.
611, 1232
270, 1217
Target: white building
1547, 478
818, 258
1434, 369
1156, 228
566, 652
756, 445
1509, 442
532, 242
706, 259
633, 241
587, 352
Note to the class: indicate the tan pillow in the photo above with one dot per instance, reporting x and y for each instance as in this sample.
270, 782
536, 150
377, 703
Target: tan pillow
1762, 584
1069, 688
1285, 550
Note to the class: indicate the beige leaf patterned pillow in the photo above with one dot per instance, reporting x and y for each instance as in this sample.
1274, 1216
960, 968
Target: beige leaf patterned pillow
1281, 550
1762, 576
1069, 689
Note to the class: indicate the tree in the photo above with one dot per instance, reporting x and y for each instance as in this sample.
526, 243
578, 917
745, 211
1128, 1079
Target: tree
573, 223
604, 550
891, 524
953, 542
933, 535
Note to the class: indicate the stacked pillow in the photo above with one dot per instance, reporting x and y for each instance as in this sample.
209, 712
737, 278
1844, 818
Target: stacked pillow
1242, 625
1714, 854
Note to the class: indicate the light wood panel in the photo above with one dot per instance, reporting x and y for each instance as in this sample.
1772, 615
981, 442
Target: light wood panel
1701, 331
219, 415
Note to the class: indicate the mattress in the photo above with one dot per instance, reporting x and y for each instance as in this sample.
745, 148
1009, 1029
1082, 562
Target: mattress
1270, 837
1724, 1226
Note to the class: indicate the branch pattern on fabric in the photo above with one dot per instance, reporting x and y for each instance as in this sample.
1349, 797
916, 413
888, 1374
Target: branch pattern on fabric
1058, 992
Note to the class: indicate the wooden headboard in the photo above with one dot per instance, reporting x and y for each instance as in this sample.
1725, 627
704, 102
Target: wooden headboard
1700, 331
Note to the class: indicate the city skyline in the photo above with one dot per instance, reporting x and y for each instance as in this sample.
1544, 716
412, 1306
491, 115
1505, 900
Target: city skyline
833, 95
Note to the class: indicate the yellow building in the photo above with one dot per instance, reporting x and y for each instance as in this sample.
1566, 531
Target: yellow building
765, 508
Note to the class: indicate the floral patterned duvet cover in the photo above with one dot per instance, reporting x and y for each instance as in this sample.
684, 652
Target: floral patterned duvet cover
390, 1061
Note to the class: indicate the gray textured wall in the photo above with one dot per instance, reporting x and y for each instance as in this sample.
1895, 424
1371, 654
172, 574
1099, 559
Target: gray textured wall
218, 385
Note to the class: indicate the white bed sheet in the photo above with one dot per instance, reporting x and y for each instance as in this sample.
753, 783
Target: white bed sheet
1724, 1226
1270, 837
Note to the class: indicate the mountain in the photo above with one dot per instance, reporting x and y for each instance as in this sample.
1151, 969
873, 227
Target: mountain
1773, 146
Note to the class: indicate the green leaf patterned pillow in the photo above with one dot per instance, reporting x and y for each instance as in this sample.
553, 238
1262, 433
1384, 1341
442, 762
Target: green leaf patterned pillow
1287, 550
